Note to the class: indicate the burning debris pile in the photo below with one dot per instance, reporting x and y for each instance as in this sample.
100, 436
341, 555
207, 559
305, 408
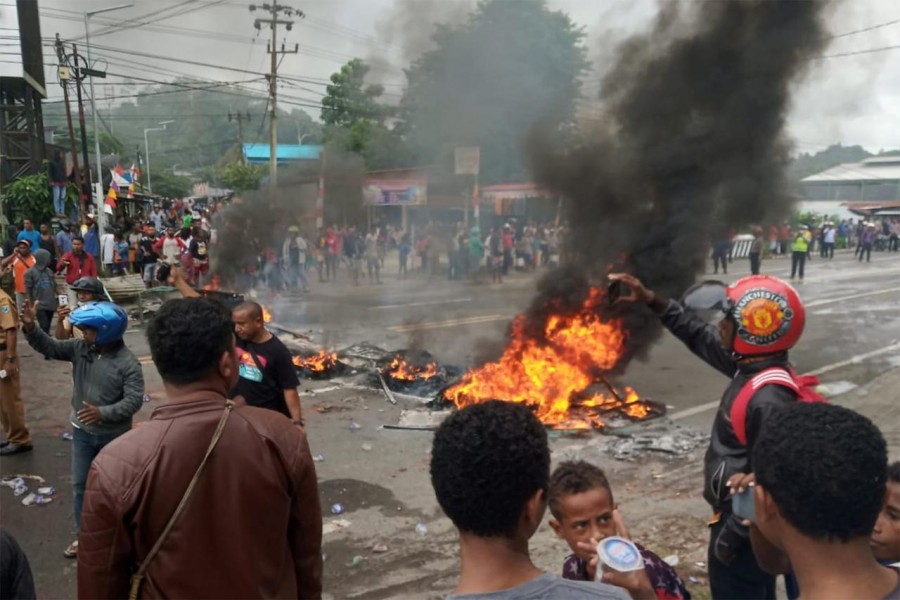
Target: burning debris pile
558, 367
320, 365
415, 373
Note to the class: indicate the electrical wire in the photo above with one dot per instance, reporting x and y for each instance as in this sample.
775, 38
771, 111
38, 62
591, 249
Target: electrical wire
873, 27
858, 52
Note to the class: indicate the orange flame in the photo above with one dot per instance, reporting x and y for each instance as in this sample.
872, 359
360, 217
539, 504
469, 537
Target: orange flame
317, 363
213, 285
549, 374
267, 316
402, 369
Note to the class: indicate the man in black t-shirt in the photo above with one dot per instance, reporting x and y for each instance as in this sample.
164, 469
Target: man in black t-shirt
146, 256
268, 378
199, 255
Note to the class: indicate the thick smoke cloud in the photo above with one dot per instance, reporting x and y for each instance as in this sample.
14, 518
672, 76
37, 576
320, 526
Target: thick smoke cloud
692, 140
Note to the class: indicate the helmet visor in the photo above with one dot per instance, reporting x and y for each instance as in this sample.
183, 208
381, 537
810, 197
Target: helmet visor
708, 299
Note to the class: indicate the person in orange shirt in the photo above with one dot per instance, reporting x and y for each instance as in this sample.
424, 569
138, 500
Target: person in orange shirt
20, 261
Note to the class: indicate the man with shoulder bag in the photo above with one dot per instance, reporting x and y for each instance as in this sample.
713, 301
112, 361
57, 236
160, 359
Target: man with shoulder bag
210, 498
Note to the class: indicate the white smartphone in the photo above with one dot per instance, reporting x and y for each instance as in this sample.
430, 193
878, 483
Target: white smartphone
63, 300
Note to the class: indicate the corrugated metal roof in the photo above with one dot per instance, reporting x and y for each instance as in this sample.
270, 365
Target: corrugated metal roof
876, 170
256, 153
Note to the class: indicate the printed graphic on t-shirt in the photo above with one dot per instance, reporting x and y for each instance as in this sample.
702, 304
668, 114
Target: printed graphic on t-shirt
248, 369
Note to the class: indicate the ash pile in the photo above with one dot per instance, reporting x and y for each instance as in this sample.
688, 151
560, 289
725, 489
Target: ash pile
658, 439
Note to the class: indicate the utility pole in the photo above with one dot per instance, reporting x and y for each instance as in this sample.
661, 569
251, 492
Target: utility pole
240, 118
64, 76
84, 145
276, 10
101, 207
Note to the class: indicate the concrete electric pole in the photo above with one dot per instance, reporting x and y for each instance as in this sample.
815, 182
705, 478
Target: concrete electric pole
240, 118
276, 11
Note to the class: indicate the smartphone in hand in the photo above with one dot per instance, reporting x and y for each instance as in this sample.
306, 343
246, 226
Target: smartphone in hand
615, 290
744, 504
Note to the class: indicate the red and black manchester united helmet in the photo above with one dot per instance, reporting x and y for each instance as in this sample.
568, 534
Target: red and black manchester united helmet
768, 314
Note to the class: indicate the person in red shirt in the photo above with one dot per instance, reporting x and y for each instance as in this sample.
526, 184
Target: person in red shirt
170, 247
785, 237
77, 263
508, 243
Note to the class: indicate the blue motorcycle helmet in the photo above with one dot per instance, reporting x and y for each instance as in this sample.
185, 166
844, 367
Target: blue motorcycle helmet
108, 319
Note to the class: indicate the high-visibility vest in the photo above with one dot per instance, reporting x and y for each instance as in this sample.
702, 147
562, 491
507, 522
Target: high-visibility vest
800, 243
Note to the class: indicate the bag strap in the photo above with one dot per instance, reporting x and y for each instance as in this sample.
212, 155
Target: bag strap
738, 412
138, 577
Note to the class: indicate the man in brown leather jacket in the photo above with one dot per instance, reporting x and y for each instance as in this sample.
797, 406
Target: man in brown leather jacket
252, 526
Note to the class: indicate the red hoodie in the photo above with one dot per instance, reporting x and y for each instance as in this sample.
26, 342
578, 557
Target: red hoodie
77, 267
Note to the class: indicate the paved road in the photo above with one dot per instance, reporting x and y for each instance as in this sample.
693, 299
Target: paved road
853, 310
853, 335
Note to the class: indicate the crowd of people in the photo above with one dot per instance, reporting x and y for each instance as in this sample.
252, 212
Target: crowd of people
802, 242
285, 263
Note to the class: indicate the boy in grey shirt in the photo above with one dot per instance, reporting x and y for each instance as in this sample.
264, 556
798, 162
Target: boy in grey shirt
490, 469
40, 286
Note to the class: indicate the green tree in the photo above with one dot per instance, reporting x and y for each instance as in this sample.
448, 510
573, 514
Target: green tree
30, 197
355, 121
168, 184
489, 80
348, 100
240, 177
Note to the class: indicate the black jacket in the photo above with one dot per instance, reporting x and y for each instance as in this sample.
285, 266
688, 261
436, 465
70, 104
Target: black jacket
725, 455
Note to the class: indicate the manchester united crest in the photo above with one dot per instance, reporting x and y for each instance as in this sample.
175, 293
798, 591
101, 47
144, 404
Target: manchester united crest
763, 317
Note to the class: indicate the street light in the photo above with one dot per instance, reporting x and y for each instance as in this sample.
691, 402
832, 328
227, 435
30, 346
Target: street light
147, 150
101, 216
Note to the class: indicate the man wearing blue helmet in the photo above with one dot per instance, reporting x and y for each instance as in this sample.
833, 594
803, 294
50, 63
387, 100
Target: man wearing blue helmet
108, 384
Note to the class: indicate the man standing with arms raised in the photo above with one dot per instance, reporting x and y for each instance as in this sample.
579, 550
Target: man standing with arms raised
760, 318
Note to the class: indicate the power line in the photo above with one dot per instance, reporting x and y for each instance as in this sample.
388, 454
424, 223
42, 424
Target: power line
311, 51
156, 16
869, 51
873, 27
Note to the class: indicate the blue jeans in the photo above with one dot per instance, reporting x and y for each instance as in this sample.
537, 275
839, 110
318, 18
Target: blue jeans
85, 448
298, 275
59, 199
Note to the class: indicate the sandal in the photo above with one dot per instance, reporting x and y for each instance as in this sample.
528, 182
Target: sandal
72, 550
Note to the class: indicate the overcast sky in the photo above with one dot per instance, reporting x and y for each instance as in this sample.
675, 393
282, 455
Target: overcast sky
847, 99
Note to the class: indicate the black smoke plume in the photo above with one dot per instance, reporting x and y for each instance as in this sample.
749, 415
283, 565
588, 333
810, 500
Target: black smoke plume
692, 140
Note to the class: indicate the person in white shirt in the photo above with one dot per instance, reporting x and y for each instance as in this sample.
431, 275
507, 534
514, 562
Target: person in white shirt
828, 236
293, 254
107, 250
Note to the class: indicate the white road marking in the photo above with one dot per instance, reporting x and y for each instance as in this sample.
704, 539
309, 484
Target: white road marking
451, 323
815, 303
411, 304
696, 410
855, 359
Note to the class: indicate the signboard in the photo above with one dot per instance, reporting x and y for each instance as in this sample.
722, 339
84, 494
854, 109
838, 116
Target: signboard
468, 160
23, 56
395, 192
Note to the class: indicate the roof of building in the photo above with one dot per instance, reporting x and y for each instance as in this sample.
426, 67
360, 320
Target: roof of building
259, 153
504, 191
876, 168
